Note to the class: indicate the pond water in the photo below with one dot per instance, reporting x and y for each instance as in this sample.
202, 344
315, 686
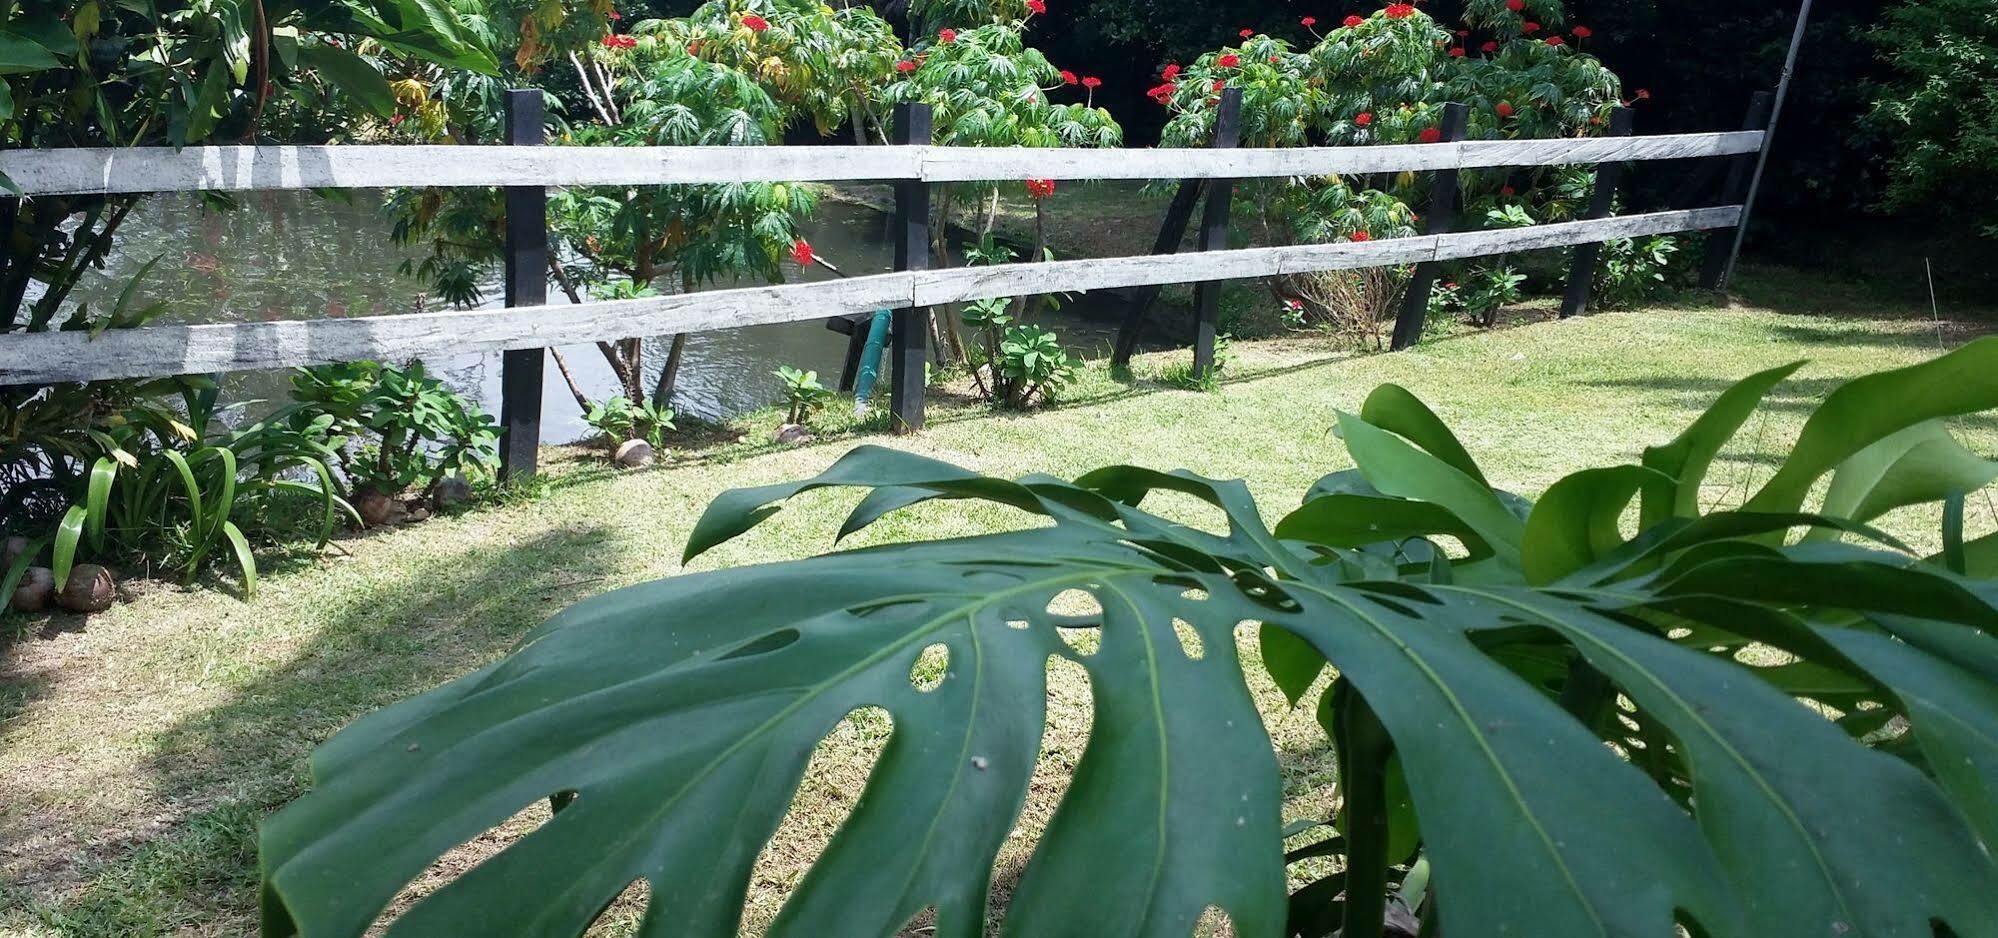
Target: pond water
296, 255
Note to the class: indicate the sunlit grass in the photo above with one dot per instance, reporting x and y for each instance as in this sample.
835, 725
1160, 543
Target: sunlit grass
137, 749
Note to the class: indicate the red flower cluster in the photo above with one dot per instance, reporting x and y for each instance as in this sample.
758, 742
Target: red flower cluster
1643, 94
1491, 45
1171, 72
755, 23
1362, 235
615, 41
1457, 52
1363, 118
1583, 32
1228, 61
1040, 188
905, 66
1530, 28
1068, 77
1508, 190
1038, 7
1504, 109
1430, 135
1515, 5
1219, 84
1247, 33
1092, 82
1308, 22
1556, 41
801, 251
1398, 11
1162, 92
615, 16
947, 35
1353, 21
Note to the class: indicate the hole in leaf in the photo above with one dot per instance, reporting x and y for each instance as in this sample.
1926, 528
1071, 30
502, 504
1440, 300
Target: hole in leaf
1084, 642
1195, 594
1189, 639
930, 669
1064, 737
1213, 923
763, 645
827, 793
624, 914
1075, 603
462, 858
1017, 623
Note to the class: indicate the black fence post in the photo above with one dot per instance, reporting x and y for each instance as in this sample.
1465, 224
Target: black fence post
1173, 231
526, 285
1214, 234
1719, 265
1442, 218
1602, 202
910, 333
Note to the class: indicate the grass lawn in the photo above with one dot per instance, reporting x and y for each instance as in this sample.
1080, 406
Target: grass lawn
138, 749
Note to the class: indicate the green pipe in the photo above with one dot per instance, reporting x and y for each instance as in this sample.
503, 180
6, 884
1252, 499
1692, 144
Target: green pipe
870, 360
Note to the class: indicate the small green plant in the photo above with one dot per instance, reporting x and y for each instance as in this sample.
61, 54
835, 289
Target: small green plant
803, 394
1633, 270
1180, 374
394, 428
620, 418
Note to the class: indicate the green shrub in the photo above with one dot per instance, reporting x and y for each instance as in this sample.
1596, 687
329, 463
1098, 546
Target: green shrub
1544, 725
619, 419
1938, 116
803, 394
393, 428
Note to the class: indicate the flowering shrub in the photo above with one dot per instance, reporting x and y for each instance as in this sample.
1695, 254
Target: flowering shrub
1384, 79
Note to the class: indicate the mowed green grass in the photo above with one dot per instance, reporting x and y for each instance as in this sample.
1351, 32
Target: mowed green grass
139, 749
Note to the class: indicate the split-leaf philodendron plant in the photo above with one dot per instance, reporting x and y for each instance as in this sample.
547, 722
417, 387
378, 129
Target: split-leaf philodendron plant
1771, 721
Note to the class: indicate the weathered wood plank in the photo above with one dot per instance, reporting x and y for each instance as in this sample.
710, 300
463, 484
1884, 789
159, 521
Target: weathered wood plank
158, 169
166, 350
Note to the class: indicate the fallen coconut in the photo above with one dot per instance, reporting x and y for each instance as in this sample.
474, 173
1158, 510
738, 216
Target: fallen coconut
374, 508
33, 592
634, 454
90, 589
792, 434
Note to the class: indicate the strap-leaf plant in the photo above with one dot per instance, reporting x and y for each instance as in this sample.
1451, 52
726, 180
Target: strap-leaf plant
1547, 718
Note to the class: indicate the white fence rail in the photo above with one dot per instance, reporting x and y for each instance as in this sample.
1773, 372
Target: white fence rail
166, 350
109, 171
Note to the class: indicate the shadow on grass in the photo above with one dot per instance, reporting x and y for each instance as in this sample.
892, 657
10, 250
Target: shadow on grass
224, 768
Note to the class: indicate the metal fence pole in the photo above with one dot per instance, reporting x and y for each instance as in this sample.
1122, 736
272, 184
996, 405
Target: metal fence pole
1442, 217
910, 334
1719, 264
1602, 202
526, 252
1214, 234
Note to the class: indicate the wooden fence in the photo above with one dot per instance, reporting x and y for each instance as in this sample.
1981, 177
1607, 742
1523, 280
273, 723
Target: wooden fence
529, 324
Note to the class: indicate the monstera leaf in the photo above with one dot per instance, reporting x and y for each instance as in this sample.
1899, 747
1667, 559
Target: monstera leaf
1767, 722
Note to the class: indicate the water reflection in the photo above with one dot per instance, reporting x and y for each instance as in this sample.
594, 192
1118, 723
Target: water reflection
296, 255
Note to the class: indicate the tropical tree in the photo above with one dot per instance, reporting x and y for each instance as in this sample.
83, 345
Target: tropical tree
987, 88
1606, 711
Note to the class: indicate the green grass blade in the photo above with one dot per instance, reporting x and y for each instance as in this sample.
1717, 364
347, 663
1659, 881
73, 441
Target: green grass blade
244, 560
97, 499
11, 580
68, 534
